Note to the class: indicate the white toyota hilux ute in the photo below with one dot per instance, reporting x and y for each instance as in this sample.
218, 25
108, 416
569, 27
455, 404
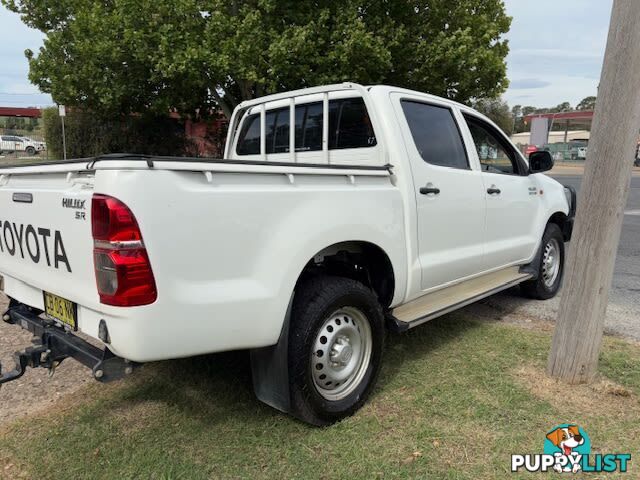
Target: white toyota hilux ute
338, 213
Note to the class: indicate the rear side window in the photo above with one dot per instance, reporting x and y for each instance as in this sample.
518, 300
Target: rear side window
435, 134
349, 127
249, 140
309, 127
270, 129
349, 124
280, 133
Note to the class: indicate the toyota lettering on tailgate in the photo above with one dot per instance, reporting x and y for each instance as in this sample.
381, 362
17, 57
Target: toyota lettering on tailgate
34, 243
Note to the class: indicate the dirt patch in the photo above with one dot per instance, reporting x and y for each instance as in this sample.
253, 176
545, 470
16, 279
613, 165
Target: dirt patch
136, 416
35, 391
602, 395
10, 470
490, 311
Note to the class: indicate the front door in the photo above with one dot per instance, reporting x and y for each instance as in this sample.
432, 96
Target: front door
512, 197
449, 194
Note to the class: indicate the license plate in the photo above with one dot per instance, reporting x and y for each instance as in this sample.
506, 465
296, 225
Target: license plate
60, 309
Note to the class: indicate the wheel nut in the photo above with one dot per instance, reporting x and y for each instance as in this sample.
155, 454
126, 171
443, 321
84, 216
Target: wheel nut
128, 371
98, 374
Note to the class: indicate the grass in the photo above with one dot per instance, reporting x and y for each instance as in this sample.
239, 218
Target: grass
455, 399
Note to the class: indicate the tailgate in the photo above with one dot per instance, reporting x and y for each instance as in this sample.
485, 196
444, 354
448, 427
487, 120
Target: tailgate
45, 235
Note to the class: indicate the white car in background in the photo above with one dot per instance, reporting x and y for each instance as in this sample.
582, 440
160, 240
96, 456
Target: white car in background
14, 143
39, 146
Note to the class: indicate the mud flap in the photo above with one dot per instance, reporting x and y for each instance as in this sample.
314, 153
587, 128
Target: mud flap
270, 370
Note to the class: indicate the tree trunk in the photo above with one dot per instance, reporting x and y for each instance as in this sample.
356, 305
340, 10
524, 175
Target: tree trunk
578, 332
223, 103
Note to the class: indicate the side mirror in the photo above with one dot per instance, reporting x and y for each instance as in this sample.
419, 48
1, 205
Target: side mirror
540, 161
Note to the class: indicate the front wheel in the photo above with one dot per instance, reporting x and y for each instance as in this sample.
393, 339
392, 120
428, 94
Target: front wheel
335, 348
30, 151
550, 266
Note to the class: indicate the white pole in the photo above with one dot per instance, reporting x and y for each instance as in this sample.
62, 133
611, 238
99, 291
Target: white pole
64, 141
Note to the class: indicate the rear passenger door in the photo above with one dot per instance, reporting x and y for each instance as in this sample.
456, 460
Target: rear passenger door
449, 194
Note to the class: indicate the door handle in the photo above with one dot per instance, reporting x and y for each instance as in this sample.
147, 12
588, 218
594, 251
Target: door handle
429, 190
493, 190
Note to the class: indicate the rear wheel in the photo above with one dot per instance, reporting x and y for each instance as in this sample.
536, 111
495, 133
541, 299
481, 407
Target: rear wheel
550, 266
335, 348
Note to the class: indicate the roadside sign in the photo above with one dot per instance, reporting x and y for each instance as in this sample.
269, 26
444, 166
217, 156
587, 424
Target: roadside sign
63, 113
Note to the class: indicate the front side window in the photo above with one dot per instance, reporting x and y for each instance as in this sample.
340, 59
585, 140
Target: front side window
435, 134
495, 156
349, 127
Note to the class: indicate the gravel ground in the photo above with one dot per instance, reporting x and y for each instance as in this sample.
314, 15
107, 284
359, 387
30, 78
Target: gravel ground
622, 320
35, 390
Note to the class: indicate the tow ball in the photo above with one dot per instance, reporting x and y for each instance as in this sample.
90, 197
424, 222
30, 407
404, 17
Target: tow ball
52, 344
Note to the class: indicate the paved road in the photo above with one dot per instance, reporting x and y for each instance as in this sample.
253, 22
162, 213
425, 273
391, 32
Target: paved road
623, 313
626, 280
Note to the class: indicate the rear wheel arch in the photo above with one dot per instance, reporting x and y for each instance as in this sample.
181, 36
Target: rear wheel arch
362, 261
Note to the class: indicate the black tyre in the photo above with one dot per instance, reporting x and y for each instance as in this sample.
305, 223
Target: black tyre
336, 339
30, 151
550, 266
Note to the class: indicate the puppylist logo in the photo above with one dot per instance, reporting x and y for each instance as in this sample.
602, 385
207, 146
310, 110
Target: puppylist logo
567, 448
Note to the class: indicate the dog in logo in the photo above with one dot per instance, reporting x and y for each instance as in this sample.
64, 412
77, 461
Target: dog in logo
566, 439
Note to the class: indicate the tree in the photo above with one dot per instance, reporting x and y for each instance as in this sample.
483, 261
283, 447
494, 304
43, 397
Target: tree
587, 103
498, 111
190, 55
578, 334
561, 107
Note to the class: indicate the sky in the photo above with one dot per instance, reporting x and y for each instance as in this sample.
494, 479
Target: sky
556, 52
15, 38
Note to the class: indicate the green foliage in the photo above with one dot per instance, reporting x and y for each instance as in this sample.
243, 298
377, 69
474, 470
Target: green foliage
587, 103
88, 135
562, 107
498, 111
137, 56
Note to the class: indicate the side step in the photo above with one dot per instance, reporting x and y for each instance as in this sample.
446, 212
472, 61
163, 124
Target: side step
433, 305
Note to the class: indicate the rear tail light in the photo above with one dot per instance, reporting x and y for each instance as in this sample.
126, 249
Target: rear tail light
123, 271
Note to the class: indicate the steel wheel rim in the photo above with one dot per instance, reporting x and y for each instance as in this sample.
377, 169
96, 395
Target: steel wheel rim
341, 353
551, 262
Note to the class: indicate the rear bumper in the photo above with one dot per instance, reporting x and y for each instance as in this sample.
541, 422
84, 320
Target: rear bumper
185, 320
53, 344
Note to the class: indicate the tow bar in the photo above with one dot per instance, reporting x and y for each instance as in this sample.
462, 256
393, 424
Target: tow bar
52, 344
